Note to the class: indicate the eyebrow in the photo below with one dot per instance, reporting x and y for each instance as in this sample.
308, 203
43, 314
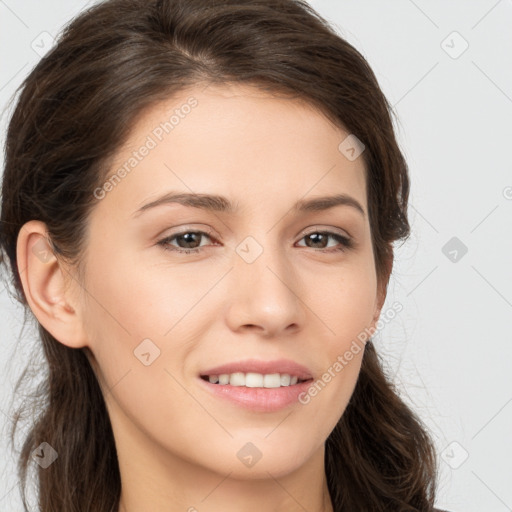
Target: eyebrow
216, 203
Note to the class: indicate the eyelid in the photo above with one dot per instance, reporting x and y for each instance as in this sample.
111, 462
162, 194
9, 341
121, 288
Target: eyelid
316, 227
187, 229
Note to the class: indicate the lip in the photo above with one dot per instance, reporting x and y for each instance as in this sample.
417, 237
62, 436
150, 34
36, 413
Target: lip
264, 367
259, 399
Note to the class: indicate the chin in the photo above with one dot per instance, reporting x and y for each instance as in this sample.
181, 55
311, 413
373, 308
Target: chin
276, 467
279, 457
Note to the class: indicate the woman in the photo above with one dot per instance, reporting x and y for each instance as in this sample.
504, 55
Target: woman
239, 373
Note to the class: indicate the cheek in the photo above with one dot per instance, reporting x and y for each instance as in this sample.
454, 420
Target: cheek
343, 307
138, 313
345, 303
347, 308
127, 317
138, 300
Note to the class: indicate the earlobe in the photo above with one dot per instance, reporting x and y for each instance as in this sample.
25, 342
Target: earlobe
44, 280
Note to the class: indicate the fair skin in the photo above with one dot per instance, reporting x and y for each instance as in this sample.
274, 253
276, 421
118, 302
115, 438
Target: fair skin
177, 442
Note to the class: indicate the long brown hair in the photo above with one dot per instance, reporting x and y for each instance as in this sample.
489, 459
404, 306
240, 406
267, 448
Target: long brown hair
74, 111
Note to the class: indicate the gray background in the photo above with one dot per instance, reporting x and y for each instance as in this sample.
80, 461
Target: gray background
450, 348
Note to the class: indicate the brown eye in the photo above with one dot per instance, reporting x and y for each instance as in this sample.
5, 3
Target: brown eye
188, 241
320, 239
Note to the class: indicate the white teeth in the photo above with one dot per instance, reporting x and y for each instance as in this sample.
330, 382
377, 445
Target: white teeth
237, 379
272, 380
254, 380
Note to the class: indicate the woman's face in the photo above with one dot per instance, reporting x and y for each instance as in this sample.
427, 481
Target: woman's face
263, 293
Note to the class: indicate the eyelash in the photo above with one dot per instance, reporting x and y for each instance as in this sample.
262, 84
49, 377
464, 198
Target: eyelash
345, 243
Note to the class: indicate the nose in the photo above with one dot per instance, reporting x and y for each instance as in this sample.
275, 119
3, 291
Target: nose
265, 295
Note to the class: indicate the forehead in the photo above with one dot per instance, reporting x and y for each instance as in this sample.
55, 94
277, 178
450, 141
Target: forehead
236, 141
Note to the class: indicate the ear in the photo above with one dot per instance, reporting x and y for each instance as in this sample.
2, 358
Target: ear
45, 281
382, 290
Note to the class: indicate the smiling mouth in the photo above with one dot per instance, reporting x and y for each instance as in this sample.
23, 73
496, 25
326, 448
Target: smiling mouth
254, 380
